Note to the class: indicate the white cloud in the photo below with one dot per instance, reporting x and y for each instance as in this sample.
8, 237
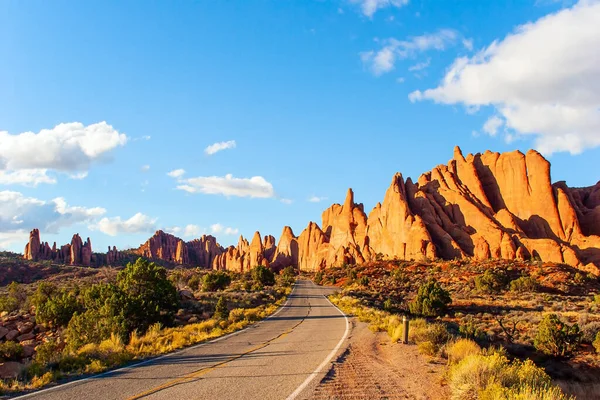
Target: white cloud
370, 7
316, 199
468, 44
400, 80
139, 223
227, 185
218, 229
10, 239
383, 60
216, 147
69, 148
492, 125
543, 80
176, 173
26, 177
286, 201
145, 168
420, 66
18, 212
191, 230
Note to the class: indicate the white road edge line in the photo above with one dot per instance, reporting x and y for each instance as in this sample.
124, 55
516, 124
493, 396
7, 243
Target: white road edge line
151, 360
316, 372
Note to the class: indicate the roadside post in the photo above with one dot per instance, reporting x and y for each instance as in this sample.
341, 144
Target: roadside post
406, 326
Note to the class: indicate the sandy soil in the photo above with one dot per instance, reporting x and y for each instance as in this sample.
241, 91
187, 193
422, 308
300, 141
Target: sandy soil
374, 368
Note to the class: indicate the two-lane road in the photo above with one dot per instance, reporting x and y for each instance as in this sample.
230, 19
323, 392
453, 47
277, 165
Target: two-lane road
279, 358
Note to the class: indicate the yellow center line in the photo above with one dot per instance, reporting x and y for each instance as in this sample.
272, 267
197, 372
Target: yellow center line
195, 374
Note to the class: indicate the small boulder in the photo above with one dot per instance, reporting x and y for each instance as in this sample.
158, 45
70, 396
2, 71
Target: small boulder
193, 320
3, 332
28, 351
26, 336
11, 370
25, 327
12, 335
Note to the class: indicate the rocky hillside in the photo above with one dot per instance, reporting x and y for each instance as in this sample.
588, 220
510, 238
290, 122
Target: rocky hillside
480, 206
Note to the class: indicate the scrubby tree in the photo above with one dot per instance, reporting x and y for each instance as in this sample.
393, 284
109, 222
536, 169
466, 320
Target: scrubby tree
288, 275
150, 296
431, 300
557, 338
491, 281
221, 310
214, 281
54, 306
263, 276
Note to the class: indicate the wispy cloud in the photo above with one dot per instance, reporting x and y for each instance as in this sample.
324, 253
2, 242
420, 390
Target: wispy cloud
176, 173
370, 7
220, 229
216, 147
316, 199
228, 185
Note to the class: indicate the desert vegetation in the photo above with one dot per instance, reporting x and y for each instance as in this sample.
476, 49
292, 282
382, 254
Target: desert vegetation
493, 322
57, 328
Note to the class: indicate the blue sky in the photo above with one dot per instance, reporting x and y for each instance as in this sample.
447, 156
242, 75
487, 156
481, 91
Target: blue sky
317, 96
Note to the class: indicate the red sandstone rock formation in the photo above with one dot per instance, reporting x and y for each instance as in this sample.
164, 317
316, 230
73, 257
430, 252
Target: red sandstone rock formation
482, 206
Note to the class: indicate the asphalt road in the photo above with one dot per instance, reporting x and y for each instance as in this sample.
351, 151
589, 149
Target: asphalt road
282, 357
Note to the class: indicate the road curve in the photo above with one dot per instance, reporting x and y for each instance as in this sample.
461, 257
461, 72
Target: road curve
282, 357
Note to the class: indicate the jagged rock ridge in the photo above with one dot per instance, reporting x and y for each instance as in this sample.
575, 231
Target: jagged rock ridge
75, 253
488, 205
482, 206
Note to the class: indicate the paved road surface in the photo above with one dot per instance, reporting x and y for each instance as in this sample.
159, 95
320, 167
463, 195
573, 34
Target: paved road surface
282, 357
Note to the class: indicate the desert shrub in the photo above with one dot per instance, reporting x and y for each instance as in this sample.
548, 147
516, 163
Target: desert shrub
363, 281
318, 277
194, 282
436, 334
524, 284
589, 330
352, 275
490, 375
431, 300
214, 281
55, 306
10, 351
288, 275
461, 349
469, 330
150, 296
93, 326
597, 343
557, 338
400, 276
221, 310
579, 278
597, 299
263, 275
427, 348
491, 281
47, 353
15, 299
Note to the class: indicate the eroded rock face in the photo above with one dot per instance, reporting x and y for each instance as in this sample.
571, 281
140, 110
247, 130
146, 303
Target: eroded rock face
75, 253
488, 205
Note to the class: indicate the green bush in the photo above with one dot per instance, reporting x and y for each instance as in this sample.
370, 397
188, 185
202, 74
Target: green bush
470, 331
214, 281
491, 281
149, 295
10, 351
263, 275
221, 310
363, 281
597, 343
524, 284
318, 277
597, 299
431, 300
93, 326
55, 306
194, 282
288, 275
557, 338
15, 299
47, 353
